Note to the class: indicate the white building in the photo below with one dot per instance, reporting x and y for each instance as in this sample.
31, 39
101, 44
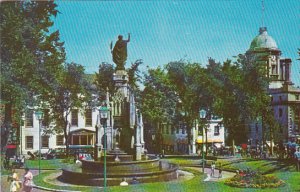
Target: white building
82, 131
174, 139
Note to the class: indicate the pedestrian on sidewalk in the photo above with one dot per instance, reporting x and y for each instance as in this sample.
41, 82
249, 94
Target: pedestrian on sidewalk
14, 181
14, 185
27, 183
220, 170
212, 169
297, 159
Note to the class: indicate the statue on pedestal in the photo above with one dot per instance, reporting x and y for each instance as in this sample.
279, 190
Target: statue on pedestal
119, 52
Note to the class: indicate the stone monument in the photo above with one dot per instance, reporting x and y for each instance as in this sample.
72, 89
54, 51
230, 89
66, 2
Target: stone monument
124, 136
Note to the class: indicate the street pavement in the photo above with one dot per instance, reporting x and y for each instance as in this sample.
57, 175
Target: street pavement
216, 177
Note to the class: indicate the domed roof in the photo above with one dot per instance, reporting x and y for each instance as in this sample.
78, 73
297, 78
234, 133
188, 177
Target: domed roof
263, 40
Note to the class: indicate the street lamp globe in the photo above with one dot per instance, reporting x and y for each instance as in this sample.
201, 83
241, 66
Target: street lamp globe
103, 112
202, 114
39, 115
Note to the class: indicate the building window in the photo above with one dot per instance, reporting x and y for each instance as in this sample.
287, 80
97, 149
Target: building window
256, 127
182, 128
45, 141
29, 118
29, 142
297, 97
177, 129
59, 140
74, 117
280, 112
167, 128
280, 98
217, 130
88, 118
273, 69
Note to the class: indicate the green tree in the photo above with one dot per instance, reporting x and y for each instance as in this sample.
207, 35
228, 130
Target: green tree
104, 80
72, 91
158, 100
31, 56
189, 82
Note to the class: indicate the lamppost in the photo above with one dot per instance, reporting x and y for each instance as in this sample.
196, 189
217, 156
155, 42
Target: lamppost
39, 115
96, 145
103, 111
202, 115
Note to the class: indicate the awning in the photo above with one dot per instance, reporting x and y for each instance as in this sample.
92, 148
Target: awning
244, 146
11, 146
80, 146
209, 140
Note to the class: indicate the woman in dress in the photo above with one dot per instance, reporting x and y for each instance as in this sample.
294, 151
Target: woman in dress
27, 183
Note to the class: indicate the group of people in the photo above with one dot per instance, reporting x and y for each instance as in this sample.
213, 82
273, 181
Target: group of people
297, 159
16, 184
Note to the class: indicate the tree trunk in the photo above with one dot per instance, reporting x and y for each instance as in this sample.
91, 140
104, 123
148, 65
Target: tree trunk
271, 141
66, 135
206, 142
233, 146
189, 135
6, 126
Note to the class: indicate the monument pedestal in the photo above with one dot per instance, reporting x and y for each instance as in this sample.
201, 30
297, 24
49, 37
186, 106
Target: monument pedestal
138, 152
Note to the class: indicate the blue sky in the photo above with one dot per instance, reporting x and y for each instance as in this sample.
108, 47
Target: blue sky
164, 31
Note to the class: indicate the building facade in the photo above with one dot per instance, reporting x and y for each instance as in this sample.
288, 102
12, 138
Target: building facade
174, 139
82, 133
284, 96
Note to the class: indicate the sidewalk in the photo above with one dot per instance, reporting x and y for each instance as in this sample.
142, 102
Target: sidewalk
215, 178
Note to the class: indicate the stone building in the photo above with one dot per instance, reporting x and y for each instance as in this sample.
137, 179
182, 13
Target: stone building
284, 96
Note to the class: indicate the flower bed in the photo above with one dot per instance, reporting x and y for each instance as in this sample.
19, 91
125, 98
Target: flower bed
250, 179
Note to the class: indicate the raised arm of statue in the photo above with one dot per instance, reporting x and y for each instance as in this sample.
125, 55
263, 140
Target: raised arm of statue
128, 37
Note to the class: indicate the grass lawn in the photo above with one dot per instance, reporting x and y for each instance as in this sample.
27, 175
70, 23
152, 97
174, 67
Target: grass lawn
264, 166
47, 164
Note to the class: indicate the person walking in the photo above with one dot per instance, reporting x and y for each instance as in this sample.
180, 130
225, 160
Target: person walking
14, 182
27, 183
213, 166
220, 170
297, 159
14, 185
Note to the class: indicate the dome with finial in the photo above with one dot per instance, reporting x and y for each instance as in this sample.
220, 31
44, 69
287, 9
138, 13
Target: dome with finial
263, 40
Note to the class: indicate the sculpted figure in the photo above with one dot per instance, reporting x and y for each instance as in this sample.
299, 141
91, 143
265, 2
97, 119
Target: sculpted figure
119, 52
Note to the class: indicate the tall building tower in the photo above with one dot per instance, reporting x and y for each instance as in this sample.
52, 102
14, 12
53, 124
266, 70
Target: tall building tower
284, 96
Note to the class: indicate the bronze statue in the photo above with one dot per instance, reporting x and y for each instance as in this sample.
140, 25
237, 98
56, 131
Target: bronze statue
119, 52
